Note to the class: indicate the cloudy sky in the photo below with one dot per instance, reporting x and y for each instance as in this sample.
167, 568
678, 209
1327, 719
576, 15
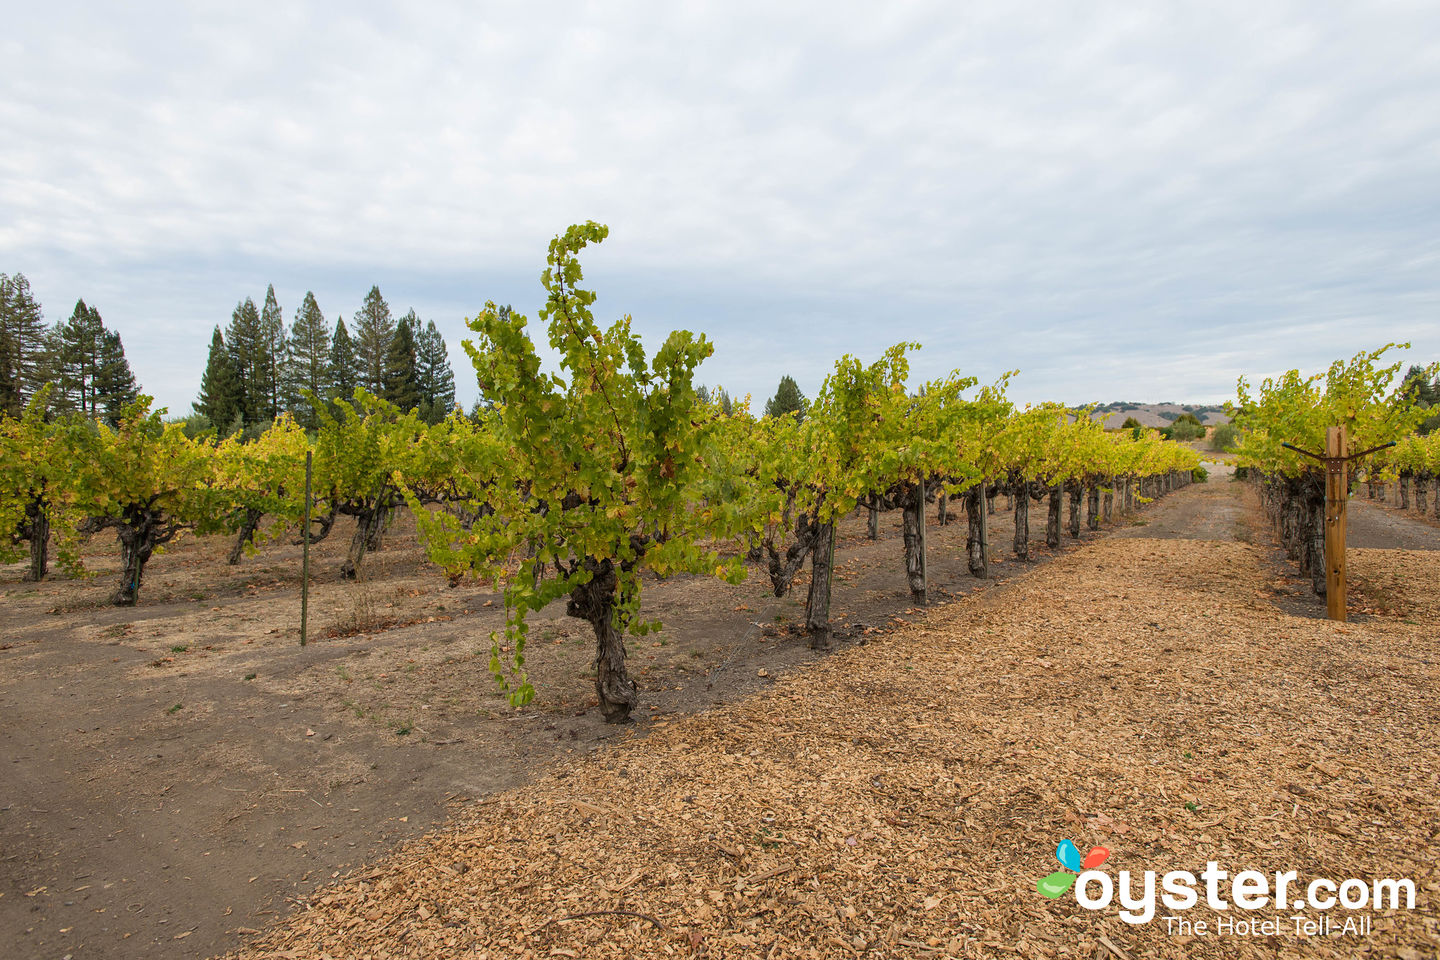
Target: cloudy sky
1121, 202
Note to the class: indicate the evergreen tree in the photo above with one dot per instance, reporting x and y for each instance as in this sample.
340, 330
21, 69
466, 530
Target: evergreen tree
1426, 393
91, 372
220, 395
25, 362
114, 380
787, 399
273, 348
77, 345
402, 379
246, 340
436, 379
727, 406
10, 403
307, 364
344, 364
374, 329
702, 394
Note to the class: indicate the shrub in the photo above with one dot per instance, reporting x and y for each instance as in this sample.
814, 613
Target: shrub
1223, 437
1186, 428
1199, 474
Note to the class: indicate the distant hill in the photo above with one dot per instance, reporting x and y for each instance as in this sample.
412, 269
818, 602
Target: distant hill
1158, 414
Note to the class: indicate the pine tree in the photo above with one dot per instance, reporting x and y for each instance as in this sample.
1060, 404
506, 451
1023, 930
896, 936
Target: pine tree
273, 347
437, 380
402, 385
246, 341
11, 356
374, 329
787, 399
307, 365
114, 380
25, 362
344, 365
220, 396
91, 372
77, 343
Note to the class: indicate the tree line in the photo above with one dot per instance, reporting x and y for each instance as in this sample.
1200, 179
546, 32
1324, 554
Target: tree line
85, 360
258, 368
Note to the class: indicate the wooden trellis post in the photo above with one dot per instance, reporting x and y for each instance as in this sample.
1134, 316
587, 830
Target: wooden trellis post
1337, 495
1337, 492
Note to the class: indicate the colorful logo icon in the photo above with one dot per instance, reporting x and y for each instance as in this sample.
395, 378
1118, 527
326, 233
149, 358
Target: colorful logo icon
1068, 854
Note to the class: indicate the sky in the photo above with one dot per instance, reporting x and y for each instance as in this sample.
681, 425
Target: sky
1121, 201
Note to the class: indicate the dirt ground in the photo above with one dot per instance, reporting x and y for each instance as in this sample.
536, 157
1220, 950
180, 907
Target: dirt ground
1152, 695
179, 773
1383, 525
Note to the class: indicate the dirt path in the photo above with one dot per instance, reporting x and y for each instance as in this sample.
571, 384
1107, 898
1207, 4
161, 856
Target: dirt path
1379, 527
901, 799
1214, 510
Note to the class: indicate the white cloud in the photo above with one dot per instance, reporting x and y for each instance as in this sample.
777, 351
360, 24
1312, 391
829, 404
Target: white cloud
1124, 202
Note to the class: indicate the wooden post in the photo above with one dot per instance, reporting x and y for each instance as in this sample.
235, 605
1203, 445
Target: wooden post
924, 576
305, 558
1337, 490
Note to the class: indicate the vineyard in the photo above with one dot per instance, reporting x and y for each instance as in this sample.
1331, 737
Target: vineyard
907, 607
578, 487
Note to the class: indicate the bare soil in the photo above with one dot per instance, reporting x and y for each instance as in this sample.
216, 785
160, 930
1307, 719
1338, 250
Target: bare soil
1384, 526
180, 773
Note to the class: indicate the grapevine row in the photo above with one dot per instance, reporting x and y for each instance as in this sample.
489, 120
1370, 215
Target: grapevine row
573, 485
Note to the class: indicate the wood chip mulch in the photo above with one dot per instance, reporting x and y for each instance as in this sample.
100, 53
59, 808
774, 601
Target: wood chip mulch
901, 798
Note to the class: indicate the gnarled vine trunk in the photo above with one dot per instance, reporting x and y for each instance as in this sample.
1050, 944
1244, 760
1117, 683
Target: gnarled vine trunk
367, 537
1021, 501
874, 522
1052, 519
1316, 521
1074, 509
1110, 499
913, 517
248, 526
37, 524
594, 602
1404, 491
817, 601
384, 514
1422, 490
327, 523
139, 533
782, 567
975, 502
1092, 506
